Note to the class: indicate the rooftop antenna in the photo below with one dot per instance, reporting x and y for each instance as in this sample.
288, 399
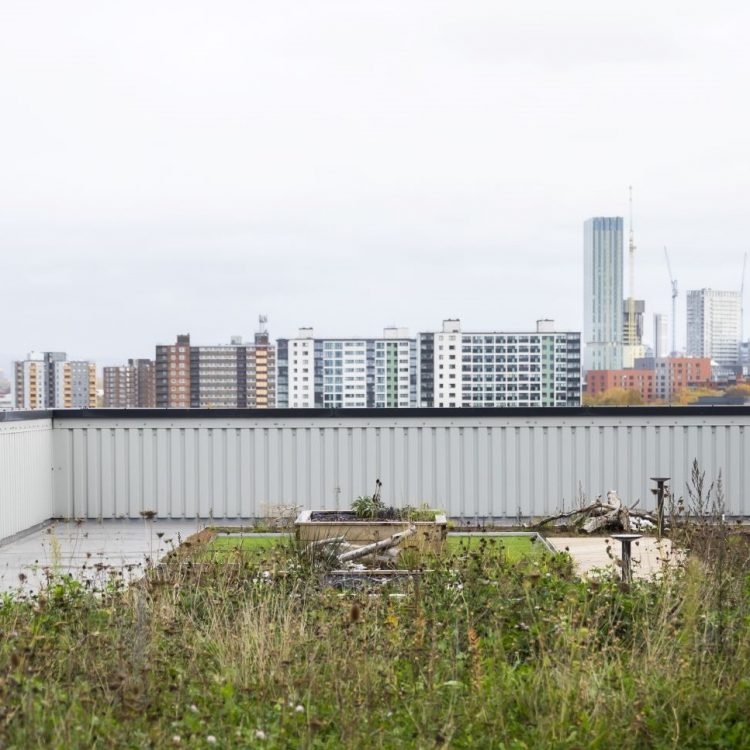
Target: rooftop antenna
631, 337
673, 282
262, 323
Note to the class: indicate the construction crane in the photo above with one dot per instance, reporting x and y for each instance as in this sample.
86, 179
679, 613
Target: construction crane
673, 282
631, 338
742, 301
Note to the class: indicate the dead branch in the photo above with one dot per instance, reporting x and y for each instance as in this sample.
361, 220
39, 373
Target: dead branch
568, 514
383, 544
608, 513
325, 542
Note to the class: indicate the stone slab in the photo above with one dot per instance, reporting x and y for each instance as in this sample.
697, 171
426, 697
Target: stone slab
598, 552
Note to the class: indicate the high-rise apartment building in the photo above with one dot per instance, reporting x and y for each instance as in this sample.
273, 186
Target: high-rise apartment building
172, 370
661, 336
31, 389
145, 382
235, 375
603, 293
396, 374
49, 381
119, 387
499, 369
130, 386
714, 326
347, 373
260, 373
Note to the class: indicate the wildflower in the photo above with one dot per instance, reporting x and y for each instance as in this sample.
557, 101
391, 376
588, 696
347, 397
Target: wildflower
260, 734
193, 708
299, 708
176, 739
211, 739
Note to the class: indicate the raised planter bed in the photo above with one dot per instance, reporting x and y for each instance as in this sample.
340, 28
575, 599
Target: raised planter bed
314, 525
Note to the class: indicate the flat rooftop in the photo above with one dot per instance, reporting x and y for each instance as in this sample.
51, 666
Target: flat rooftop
94, 551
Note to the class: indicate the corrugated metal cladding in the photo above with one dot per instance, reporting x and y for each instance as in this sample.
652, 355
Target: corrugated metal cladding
25, 475
493, 467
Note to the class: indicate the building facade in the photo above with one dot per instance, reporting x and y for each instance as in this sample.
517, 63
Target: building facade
675, 373
499, 369
603, 293
661, 336
340, 373
653, 378
235, 375
640, 380
172, 373
31, 391
130, 386
632, 347
48, 380
714, 326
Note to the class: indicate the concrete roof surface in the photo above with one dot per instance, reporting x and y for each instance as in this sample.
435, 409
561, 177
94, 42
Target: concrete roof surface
89, 551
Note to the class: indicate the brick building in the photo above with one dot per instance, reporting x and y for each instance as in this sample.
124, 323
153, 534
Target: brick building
654, 379
236, 375
172, 373
642, 381
130, 386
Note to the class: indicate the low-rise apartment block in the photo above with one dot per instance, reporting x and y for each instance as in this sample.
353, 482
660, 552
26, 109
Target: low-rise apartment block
674, 373
639, 380
653, 378
499, 369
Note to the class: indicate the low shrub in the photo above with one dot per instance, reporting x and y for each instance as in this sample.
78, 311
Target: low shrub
479, 651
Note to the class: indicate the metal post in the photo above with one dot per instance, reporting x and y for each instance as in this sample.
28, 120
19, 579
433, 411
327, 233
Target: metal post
625, 541
659, 492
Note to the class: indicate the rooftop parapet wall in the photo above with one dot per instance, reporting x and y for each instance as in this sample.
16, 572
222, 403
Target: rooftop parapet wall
25, 472
472, 463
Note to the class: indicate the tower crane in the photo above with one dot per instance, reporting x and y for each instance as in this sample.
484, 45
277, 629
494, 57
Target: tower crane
742, 301
631, 338
673, 282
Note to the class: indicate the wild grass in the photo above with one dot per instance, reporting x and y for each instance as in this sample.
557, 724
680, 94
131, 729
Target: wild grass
483, 651
514, 547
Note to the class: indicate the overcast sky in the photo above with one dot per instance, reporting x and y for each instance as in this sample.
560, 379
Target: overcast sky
170, 167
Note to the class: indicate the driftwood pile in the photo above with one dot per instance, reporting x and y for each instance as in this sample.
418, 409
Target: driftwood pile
342, 554
609, 514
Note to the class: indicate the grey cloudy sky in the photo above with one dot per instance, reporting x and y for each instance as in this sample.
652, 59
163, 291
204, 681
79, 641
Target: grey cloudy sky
183, 166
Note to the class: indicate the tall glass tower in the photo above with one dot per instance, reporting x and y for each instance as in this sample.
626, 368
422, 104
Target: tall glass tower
603, 298
714, 322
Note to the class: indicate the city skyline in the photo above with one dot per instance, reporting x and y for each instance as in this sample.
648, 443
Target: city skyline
442, 172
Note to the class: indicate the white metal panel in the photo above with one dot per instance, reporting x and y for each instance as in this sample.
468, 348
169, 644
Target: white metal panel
26, 475
490, 467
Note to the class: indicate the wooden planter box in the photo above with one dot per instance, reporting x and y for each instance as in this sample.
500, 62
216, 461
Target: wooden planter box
430, 534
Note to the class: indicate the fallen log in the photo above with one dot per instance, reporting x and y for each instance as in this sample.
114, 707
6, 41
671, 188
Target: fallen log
567, 514
369, 549
325, 542
602, 514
